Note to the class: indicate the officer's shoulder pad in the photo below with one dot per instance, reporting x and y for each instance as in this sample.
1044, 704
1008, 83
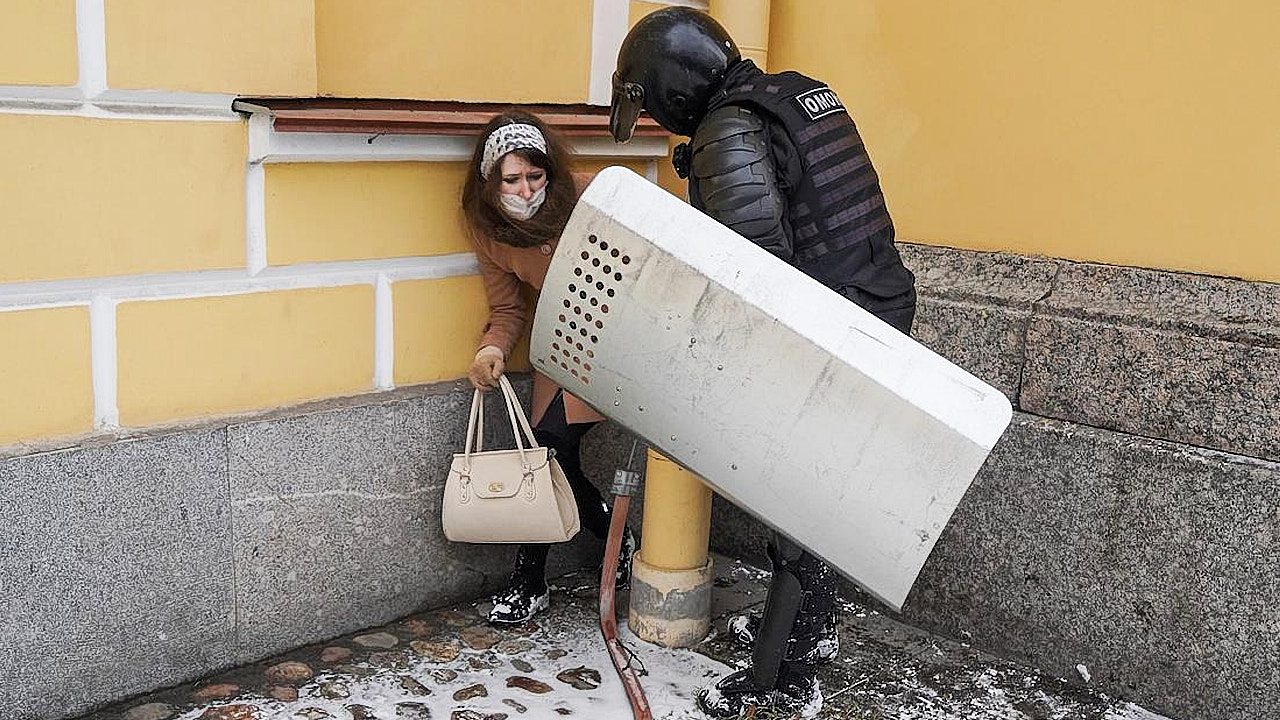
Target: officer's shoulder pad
726, 122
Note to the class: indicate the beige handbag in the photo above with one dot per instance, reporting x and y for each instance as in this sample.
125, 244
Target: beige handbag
507, 496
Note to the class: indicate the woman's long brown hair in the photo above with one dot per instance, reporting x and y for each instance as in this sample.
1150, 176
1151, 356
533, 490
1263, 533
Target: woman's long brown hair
480, 205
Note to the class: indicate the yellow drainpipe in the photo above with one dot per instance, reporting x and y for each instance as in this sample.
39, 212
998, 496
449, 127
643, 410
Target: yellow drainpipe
671, 575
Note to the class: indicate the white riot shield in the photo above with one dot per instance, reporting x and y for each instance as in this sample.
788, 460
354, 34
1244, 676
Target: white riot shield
799, 406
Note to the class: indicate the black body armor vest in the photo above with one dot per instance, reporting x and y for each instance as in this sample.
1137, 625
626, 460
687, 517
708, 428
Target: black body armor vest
840, 228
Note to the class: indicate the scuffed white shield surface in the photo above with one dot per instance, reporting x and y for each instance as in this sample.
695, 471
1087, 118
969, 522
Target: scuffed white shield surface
799, 406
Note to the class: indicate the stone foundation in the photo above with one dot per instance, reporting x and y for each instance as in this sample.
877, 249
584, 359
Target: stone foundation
134, 563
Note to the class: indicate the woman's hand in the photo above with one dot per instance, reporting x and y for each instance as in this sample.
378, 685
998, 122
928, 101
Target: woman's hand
487, 367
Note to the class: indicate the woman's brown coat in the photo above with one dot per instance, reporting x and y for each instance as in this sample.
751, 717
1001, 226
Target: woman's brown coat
503, 268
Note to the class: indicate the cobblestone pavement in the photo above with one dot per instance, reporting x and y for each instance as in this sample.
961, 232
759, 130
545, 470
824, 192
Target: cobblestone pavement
448, 664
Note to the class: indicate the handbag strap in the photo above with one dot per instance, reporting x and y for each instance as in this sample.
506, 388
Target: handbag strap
514, 409
478, 402
475, 427
517, 412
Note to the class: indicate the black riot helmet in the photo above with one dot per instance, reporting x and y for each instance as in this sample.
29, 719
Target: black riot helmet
670, 64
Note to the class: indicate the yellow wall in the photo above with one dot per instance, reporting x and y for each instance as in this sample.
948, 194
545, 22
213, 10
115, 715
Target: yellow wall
46, 386
1136, 133
92, 193
437, 325
640, 8
322, 212
203, 356
86, 197
39, 46
355, 211
246, 47
493, 50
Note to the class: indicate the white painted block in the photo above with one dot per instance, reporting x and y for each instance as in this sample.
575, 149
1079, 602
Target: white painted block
799, 406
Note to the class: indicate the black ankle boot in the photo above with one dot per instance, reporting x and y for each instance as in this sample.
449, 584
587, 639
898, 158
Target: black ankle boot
526, 594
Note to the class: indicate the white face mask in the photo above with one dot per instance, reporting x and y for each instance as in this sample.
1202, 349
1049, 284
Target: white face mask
517, 208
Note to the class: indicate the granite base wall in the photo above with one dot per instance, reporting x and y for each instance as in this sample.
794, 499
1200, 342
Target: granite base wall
1128, 520
130, 564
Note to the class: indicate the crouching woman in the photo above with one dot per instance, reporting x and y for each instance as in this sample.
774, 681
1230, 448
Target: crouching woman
516, 200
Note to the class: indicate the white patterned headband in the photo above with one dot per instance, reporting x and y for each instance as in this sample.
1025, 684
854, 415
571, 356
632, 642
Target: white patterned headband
507, 138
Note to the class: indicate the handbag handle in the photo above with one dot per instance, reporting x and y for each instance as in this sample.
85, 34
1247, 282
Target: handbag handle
514, 411
518, 410
475, 426
515, 414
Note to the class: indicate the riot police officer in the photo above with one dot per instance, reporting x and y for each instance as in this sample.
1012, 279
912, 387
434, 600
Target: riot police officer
776, 158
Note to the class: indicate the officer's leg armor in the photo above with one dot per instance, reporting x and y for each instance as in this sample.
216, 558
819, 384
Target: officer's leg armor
801, 598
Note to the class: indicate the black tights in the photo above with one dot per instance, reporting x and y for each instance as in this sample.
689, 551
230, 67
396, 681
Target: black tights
554, 432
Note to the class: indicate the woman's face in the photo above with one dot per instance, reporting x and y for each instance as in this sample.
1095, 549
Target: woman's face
520, 177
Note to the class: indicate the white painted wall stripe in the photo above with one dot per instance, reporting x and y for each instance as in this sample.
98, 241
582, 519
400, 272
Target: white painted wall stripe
91, 47
636, 147
27, 101
364, 147
384, 328
300, 147
154, 104
260, 132
103, 359
651, 172
117, 104
608, 28
255, 218
255, 188
210, 283
50, 100
90, 97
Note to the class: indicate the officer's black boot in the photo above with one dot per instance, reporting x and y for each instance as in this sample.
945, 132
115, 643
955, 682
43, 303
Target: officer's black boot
778, 681
795, 694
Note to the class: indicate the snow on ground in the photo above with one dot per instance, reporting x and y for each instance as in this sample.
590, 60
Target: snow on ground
673, 675
449, 664
1133, 712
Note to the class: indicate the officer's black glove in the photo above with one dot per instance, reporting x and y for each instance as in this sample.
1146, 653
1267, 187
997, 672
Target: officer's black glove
681, 156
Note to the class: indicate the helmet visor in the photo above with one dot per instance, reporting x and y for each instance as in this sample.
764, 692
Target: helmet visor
624, 111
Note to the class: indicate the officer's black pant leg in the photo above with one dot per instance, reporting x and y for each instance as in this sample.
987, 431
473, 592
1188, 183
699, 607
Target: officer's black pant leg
898, 311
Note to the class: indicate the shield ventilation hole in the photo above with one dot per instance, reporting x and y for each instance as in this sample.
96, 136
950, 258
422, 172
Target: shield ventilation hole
595, 280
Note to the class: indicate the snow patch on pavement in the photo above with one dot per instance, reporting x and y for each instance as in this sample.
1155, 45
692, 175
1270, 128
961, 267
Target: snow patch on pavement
673, 676
1133, 712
